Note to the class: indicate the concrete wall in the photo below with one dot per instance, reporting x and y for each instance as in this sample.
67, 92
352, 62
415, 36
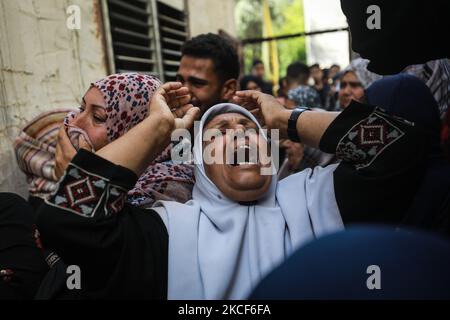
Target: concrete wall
211, 15
44, 65
207, 15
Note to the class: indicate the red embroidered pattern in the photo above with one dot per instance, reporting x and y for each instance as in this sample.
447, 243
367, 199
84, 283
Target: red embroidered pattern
367, 140
88, 195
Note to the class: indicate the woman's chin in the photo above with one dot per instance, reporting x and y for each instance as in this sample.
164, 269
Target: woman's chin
246, 185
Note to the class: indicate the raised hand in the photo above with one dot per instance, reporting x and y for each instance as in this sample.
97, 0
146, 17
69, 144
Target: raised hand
265, 108
65, 151
172, 101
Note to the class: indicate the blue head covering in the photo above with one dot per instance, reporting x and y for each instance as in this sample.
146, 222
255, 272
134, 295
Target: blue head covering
413, 265
408, 97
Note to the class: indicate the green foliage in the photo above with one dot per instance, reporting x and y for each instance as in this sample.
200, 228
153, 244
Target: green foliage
287, 18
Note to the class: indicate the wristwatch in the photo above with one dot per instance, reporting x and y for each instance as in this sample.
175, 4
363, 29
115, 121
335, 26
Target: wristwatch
292, 123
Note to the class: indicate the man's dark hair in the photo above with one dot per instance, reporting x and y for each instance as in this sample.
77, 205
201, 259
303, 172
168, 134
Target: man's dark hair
256, 62
212, 46
315, 65
297, 72
250, 78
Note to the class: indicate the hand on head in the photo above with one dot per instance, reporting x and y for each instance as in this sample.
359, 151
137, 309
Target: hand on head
294, 153
264, 107
171, 101
65, 151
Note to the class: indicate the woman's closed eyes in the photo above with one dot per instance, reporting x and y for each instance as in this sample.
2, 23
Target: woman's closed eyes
98, 116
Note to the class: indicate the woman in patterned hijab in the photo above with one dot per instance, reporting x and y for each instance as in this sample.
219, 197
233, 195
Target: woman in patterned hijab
109, 109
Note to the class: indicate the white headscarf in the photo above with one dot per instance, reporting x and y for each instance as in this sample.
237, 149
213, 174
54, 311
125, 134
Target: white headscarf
359, 67
220, 249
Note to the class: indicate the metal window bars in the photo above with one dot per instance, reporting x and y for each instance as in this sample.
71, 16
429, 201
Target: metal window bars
144, 36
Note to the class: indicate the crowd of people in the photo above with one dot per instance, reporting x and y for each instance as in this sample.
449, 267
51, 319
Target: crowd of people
106, 194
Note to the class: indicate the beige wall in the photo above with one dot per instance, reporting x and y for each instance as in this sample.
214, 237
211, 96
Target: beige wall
207, 15
210, 16
44, 65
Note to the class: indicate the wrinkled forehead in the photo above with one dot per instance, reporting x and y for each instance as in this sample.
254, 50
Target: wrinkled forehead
349, 75
228, 120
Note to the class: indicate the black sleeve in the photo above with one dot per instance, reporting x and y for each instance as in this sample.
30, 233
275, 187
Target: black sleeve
382, 163
22, 264
120, 250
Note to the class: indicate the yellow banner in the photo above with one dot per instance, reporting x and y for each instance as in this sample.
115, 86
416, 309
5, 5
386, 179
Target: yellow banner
270, 50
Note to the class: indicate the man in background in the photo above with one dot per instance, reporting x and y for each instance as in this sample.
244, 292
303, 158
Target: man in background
298, 91
209, 68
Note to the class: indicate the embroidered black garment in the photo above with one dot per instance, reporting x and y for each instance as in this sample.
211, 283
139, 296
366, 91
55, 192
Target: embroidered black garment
121, 251
22, 264
382, 164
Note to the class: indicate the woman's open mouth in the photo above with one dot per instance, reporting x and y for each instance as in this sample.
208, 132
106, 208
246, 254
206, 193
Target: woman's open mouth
244, 155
